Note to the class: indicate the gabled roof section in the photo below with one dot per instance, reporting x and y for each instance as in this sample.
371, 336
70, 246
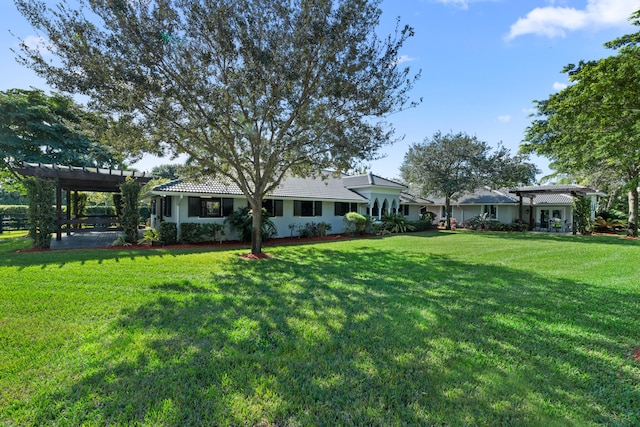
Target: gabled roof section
291, 187
484, 196
407, 197
369, 180
571, 189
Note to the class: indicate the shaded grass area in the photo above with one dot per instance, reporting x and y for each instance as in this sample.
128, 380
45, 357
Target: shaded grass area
423, 329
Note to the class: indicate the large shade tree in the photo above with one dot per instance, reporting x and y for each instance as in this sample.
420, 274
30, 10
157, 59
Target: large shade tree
40, 128
452, 164
594, 123
250, 90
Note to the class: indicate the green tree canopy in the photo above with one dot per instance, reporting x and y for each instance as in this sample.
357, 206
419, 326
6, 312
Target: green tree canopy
35, 127
452, 164
592, 127
248, 89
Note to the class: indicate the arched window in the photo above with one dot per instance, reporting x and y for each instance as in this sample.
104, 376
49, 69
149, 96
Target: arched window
375, 211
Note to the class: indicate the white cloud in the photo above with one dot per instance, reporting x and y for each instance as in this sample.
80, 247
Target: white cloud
505, 119
559, 86
39, 44
555, 21
530, 111
462, 4
404, 58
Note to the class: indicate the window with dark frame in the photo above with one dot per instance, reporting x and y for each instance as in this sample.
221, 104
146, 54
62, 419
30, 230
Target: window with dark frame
273, 207
492, 210
166, 206
307, 208
342, 208
404, 210
210, 207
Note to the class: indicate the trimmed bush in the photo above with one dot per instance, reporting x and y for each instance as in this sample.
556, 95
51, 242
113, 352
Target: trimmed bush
191, 232
168, 233
355, 223
421, 225
14, 209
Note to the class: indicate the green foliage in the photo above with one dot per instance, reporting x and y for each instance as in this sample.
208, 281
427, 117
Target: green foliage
449, 165
483, 222
591, 127
582, 222
295, 87
168, 233
313, 229
608, 225
428, 216
396, 223
121, 240
14, 209
35, 127
191, 232
150, 236
421, 224
355, 223
129, 214
241, 222
42, 218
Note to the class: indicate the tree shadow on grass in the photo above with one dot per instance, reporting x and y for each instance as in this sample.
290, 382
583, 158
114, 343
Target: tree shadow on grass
326, 336
601, 239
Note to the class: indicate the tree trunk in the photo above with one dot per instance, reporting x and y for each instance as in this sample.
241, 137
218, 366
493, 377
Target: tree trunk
632, 223
447, 210
256, 230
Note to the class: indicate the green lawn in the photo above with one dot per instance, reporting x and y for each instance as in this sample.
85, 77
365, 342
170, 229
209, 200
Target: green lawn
439, 328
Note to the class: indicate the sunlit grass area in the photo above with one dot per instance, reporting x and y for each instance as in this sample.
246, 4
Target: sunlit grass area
438, 328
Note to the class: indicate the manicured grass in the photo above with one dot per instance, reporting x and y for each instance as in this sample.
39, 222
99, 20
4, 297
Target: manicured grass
437, 328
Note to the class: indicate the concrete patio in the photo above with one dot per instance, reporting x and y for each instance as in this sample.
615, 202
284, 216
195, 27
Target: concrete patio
85, 239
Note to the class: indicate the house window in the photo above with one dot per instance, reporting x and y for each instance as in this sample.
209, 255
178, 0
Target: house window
214, 207
166, 206
375, 211
491, 210
307, 208
342, 208
443, 212
404, 210
556, 214
273, 207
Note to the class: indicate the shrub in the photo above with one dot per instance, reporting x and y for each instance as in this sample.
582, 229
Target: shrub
428, 216
241, 221
168, 233
191, 232
483, 222
608, 225
14, 209
311, 229
396, 223
355, 223
150, 236
421, 224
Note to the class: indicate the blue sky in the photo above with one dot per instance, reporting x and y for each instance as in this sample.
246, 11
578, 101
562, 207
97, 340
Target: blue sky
483, 62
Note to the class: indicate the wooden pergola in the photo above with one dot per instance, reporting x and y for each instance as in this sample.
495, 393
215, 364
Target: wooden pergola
531, 192
74, 179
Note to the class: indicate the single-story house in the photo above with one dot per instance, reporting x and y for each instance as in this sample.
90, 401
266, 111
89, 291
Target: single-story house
295, 202
544, 207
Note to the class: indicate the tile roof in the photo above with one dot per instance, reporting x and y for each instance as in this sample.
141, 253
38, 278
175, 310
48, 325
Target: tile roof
484, 196
291, 187
368, 179
408, 197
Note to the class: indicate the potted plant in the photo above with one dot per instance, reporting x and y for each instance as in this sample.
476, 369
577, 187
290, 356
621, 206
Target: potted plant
151, 236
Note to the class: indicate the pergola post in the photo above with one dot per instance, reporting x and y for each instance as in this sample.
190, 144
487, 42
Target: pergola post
531, 221
58, 211
68, 211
